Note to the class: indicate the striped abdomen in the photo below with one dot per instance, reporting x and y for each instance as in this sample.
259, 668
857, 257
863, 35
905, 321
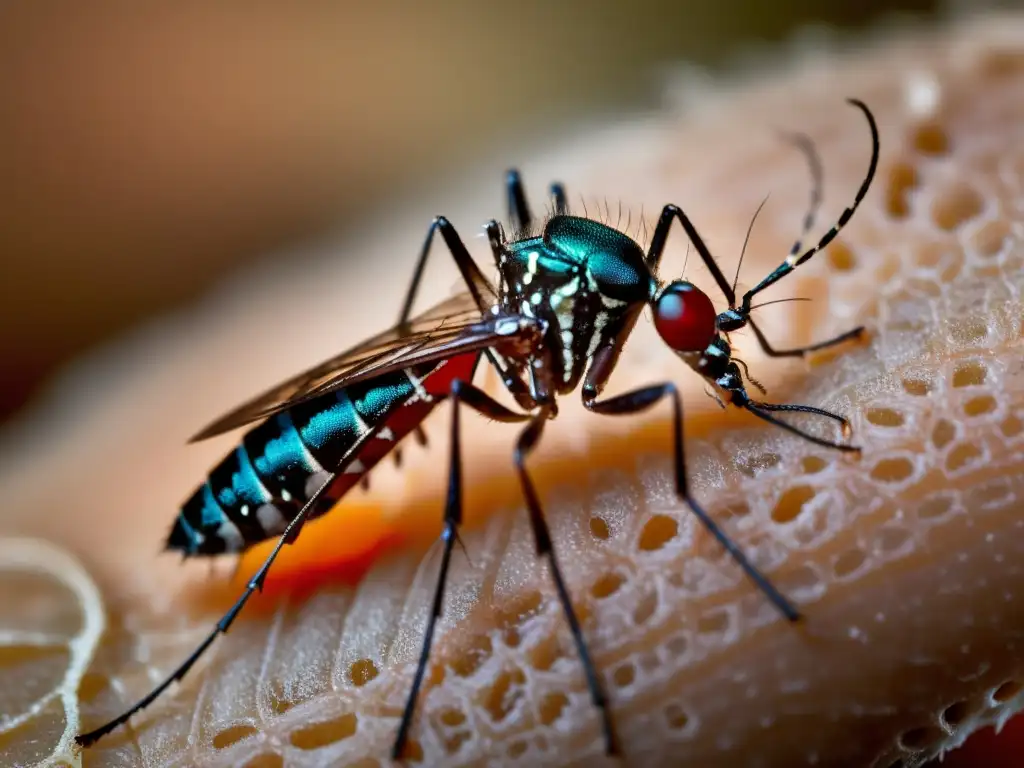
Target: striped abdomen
260, 487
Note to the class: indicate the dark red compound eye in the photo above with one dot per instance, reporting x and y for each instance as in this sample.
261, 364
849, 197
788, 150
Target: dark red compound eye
685, 317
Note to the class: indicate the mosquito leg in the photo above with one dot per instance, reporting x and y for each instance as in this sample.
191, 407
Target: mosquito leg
222, 626
461, 394
806, 145
769, 350
558, 195
788, 408
658, 240
542, 537
452, 515
759, 410
670, 212
519, 215
642, 399
471, 274
468, 268
793, 261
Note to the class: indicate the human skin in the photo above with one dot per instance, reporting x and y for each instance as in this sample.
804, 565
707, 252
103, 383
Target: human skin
904, 562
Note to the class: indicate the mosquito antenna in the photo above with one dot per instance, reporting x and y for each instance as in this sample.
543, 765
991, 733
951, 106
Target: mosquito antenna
750, 228
779, 301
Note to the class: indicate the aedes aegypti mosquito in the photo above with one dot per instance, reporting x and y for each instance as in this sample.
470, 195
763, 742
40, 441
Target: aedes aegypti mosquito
565, 302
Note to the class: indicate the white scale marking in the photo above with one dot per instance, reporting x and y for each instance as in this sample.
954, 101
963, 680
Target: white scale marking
417, 384
611, 303
232, 537
386, 434
563, 293
361, 426
567, 354
314, 483
356, 467
600, 321
271, 519
566, 316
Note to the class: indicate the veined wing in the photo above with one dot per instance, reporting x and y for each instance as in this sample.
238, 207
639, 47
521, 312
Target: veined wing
452, 327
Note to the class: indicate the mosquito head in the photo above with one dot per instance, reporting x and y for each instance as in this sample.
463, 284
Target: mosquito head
684, 317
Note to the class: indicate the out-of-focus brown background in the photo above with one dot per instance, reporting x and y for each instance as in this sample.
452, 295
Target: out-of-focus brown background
146, 149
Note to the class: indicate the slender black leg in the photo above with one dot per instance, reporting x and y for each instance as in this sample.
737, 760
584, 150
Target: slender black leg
222, 626
519, 215
542, 537
788, 408
471, 274
806, 146
461, 394
642, 399
761, 411
741, 314
468, 268
670, 212
793, 261
496, 237
558, 196
657, 247
769, 350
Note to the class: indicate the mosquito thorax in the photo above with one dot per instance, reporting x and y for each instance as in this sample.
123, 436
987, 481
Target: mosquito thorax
684, 317
614, 263
581, 276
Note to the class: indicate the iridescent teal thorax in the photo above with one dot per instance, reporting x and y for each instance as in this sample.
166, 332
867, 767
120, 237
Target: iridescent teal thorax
585, 279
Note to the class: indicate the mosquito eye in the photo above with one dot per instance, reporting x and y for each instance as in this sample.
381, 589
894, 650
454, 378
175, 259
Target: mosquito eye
685, 317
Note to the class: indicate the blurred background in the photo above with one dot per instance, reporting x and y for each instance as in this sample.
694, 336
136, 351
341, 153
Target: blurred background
147, 149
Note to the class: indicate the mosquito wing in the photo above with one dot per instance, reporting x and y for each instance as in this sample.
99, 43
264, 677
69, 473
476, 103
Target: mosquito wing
452, 327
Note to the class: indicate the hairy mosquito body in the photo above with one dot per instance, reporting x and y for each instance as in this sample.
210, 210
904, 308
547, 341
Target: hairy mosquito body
563, 306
